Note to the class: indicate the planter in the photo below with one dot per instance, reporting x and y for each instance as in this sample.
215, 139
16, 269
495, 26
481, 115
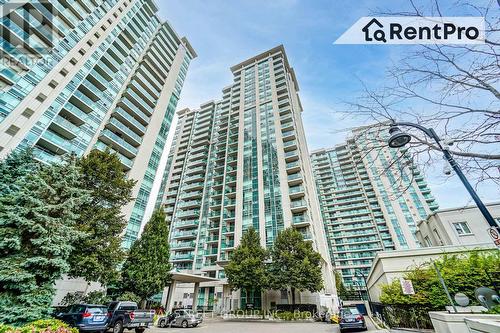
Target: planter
483, 325
445, 322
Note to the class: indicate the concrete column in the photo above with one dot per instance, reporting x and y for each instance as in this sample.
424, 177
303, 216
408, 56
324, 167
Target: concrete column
171, 292
195, 295
164, 296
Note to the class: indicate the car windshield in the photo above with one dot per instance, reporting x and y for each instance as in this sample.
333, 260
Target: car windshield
350, 311
97, 309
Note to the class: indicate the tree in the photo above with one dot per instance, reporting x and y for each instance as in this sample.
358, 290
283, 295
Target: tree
37, 232
16, 165
246, 269
97, 256
341, 289
462, 274
294, 264
451, 88
147, 268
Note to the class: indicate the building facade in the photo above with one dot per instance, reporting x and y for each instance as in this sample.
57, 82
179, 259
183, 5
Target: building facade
86, 74
237, 163
457, 226
363, 209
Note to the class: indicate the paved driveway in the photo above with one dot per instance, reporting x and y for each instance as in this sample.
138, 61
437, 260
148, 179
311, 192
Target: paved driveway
221, 326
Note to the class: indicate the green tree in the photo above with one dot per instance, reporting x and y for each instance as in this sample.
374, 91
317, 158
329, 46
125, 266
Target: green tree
339, 284
97, 256
246, 269
147, 268
37, 232
462, 273
17, 164
294, 264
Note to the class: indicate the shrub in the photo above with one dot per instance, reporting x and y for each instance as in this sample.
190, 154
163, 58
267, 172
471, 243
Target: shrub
296, 315
40, 326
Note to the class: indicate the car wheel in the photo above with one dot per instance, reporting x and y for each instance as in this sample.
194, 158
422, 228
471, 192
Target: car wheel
184, 324
162, 323
118, 328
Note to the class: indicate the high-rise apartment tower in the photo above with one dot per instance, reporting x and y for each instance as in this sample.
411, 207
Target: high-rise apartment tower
85, 74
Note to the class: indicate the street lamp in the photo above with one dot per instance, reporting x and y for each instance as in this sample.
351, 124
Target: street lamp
399, 139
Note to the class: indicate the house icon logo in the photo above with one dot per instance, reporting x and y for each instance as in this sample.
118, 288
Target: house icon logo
378, 34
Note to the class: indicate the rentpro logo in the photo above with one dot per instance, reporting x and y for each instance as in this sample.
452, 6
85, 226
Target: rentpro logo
415, 30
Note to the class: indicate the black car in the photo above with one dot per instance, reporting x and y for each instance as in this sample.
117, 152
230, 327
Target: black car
85, 317
351, 318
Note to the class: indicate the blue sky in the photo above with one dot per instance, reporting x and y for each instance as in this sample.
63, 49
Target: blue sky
225, 32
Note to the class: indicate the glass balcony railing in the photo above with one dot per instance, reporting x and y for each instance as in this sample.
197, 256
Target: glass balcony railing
58, 141
125, 130
122, 113
69, 126
180, 245
121, 142
296, 219
296, 189
188, 213
131, 106
300, 203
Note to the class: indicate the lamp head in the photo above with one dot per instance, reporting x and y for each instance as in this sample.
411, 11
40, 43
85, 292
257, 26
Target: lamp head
398, 138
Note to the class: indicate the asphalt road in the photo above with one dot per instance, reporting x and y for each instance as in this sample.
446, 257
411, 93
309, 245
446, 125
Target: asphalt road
221, 326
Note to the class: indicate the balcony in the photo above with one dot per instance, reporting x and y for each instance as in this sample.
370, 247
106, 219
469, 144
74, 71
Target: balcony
127, 163
288, 135
183, 245
182, 257
188, 213
189, 195
298, 206
64, 128
139, 115
291, 156
181, 224
129, 121
54, 143
296, 191
300, 220
189, 204
294, 179
118, 143
115, 125
185, 234
193, 186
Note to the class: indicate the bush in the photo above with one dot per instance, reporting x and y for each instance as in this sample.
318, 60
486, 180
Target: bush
289, 316
463, 273
39, 326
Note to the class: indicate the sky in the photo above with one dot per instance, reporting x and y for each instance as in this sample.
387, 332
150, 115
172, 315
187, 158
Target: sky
225, 32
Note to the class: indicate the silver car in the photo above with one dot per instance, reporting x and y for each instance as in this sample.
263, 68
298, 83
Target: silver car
181, 318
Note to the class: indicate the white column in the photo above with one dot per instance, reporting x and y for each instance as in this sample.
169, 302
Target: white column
195, 295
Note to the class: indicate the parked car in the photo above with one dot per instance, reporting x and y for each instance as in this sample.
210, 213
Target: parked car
181, 318
85, 317
351, 318
126, 315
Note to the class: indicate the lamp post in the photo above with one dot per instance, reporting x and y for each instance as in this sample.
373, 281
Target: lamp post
399, 139
362, 275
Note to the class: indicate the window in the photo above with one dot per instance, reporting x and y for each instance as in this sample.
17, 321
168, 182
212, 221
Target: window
12, 130
462, 228
438, 237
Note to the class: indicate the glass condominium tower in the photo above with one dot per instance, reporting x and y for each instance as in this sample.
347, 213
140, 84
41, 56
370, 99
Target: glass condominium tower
363, 209
86, 74
242, 162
